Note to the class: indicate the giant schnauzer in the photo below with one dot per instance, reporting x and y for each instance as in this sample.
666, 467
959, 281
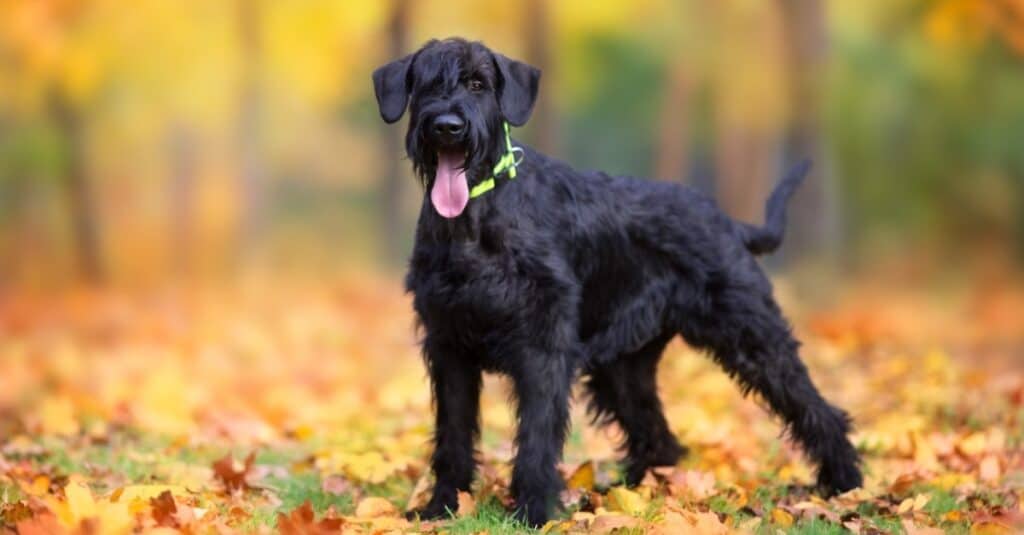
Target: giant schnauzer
525, 266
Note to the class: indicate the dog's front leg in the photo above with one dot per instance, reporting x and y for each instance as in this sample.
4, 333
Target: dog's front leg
542, 385
456, 387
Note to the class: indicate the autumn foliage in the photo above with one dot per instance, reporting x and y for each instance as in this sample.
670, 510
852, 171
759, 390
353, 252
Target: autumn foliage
306, 411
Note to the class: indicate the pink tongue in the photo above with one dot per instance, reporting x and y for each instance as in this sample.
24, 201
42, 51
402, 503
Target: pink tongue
450, 193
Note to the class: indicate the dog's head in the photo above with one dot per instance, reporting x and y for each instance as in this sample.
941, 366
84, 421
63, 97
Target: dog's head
459, 94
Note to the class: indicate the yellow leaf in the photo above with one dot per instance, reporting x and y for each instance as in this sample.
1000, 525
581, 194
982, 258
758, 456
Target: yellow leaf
921, 500
608, 523
370, 467
582, 477
905, 506
57, 417
782, 517
113, 518
924, 453
373, 507
707, 523
39, 486
626, 501
467, 505
989, 527
972, 445
951, 480
81, 504
146, 492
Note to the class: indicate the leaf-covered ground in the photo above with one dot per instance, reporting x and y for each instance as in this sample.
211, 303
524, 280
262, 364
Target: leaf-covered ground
305, 410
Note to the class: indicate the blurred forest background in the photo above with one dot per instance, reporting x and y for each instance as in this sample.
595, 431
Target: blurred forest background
186, 139
203, 222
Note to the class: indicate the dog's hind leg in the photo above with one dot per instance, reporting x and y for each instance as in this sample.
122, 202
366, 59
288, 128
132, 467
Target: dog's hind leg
625, 390
743, 328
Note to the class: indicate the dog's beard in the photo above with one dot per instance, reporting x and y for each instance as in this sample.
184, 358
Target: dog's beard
450, 192
447, 173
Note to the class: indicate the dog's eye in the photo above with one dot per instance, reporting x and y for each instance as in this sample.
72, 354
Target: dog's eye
475, 85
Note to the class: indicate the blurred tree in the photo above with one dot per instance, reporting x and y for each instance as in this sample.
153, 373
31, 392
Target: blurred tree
249, 127
678, 147
747, 101
393, 217
56, 65
79, 188
816, 218
544, 125
182, 147
671, 151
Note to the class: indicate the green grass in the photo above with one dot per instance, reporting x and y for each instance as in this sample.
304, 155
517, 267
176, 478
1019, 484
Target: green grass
490, 517
816, 526
941, 502
296, 489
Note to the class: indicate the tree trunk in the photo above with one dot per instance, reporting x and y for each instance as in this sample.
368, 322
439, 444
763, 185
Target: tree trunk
671, 158
544, 122
181, 153
251, 168
394, 221
79, 192
815, 221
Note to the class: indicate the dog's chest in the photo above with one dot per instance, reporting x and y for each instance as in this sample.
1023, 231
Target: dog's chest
474, 299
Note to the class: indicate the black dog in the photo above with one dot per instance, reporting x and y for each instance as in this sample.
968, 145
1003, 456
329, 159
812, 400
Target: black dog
525, 266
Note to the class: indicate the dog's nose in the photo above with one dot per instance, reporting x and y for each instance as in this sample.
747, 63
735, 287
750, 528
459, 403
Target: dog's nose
449, 127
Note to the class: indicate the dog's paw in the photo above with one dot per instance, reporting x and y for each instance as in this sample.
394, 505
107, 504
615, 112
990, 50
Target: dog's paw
839, 478
635, 473
668, 453
534, 516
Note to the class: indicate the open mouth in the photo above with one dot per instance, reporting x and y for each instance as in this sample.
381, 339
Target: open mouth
450, 193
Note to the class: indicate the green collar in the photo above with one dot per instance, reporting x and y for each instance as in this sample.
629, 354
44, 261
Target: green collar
508, 162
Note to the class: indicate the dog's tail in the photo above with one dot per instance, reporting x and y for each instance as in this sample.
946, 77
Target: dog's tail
767, 238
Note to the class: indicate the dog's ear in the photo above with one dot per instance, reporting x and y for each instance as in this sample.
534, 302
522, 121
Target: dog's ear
390, 83
518, 89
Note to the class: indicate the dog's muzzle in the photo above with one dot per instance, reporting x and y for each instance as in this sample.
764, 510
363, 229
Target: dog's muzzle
448, 129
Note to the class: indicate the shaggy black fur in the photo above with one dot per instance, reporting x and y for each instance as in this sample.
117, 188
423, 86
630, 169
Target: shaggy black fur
560, 273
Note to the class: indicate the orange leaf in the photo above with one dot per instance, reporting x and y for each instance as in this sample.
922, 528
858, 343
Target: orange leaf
232, 473
582, 477
782, 517
373, 507
302, 521
164, 509
467, 505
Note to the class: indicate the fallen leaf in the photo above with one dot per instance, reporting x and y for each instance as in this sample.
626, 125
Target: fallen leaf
972, 445
467, 505
165, 511
626, 501
420, 494
13, 513
232, 473
990, 527
608, 523
43, 524
582, 477
302, 521
782, 517
373, 507
989, 470
146, 492
57, 416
